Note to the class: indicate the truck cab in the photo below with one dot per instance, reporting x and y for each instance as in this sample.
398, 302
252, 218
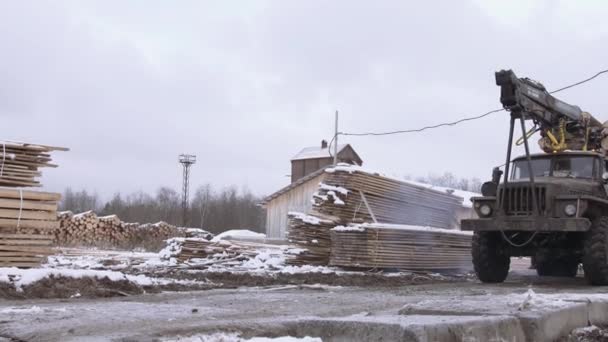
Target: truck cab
551, 207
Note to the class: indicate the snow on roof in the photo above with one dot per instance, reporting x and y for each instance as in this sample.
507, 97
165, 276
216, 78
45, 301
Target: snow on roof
316, 152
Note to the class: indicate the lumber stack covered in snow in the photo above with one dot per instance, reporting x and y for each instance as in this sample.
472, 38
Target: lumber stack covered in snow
311, 233
400, 247
350, 195
355, 195
20, 163
28, 220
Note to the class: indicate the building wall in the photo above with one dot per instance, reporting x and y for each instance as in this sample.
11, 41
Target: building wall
296, 199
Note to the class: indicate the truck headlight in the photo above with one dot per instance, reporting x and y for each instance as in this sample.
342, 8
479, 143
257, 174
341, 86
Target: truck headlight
485, 210
570, 210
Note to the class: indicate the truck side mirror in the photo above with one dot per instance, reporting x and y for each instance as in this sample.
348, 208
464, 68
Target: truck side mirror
605, 177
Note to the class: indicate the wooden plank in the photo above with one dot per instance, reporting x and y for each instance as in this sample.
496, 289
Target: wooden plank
28, 205
29, 249
19, 264
29, 195
25, 237
28, 214
30, 224
25, 242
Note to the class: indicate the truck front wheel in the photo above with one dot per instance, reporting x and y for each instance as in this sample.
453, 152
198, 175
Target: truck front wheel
595, 264
490, 258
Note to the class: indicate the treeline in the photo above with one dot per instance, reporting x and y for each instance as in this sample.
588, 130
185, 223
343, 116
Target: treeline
215, 211
448, 180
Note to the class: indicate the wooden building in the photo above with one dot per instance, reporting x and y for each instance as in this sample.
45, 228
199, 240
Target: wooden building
311, 159
306, 173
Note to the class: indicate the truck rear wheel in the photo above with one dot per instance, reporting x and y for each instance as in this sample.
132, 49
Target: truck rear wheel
556, 266
595, 264
490, 258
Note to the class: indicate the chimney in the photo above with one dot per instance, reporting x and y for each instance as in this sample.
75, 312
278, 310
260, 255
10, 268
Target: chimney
323, 143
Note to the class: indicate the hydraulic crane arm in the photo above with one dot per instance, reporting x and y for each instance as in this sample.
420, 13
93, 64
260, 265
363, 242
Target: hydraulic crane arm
562, 126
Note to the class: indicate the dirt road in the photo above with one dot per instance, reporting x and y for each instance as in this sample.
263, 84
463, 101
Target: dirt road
281, 310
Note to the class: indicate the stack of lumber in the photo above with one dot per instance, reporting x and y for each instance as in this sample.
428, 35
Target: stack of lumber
346, 189
20, 163
350, 194
24, 250
311, 234
87, 229
27, 222
400, 247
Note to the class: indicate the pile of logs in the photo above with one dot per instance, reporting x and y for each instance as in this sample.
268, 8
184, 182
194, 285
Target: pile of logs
20, 163
87, 229
400, 247
28, 220
311, 233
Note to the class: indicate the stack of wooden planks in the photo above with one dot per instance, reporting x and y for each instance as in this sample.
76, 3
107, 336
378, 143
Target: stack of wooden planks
400, 247
20, 163
350, 195
311, 234
28, 220
355, 195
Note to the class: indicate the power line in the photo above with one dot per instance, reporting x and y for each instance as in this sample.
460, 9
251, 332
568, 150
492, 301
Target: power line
465, 119
579, 83
427, 127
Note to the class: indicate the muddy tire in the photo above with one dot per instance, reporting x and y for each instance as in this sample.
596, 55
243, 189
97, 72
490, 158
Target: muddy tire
556, 266
595, 264
490, 258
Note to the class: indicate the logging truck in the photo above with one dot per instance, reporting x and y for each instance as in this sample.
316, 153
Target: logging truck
552, 206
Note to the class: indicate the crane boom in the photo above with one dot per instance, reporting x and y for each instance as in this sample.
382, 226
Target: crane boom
562, 126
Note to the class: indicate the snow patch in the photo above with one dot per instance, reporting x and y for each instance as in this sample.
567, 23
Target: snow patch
238, 233
234, 337
308, 218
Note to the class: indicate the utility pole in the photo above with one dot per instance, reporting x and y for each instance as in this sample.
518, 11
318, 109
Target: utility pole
336, 141
186, 160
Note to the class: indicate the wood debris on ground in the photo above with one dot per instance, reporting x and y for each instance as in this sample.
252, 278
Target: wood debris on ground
202, 254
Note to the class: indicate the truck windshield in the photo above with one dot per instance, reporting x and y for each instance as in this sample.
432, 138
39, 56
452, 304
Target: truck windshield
570, 167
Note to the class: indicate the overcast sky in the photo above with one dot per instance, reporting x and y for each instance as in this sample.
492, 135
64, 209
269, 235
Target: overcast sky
128, 85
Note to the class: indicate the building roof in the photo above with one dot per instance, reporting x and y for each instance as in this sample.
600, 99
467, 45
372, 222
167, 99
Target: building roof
316, 152
292, 185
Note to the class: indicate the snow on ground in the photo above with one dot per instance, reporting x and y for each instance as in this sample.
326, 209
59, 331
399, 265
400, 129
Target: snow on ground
23, 277
239, 233
233, 337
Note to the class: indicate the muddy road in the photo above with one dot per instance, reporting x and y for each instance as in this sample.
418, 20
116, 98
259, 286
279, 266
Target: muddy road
274, 310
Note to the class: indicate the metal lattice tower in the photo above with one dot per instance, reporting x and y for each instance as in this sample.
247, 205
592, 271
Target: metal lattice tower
186, 160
